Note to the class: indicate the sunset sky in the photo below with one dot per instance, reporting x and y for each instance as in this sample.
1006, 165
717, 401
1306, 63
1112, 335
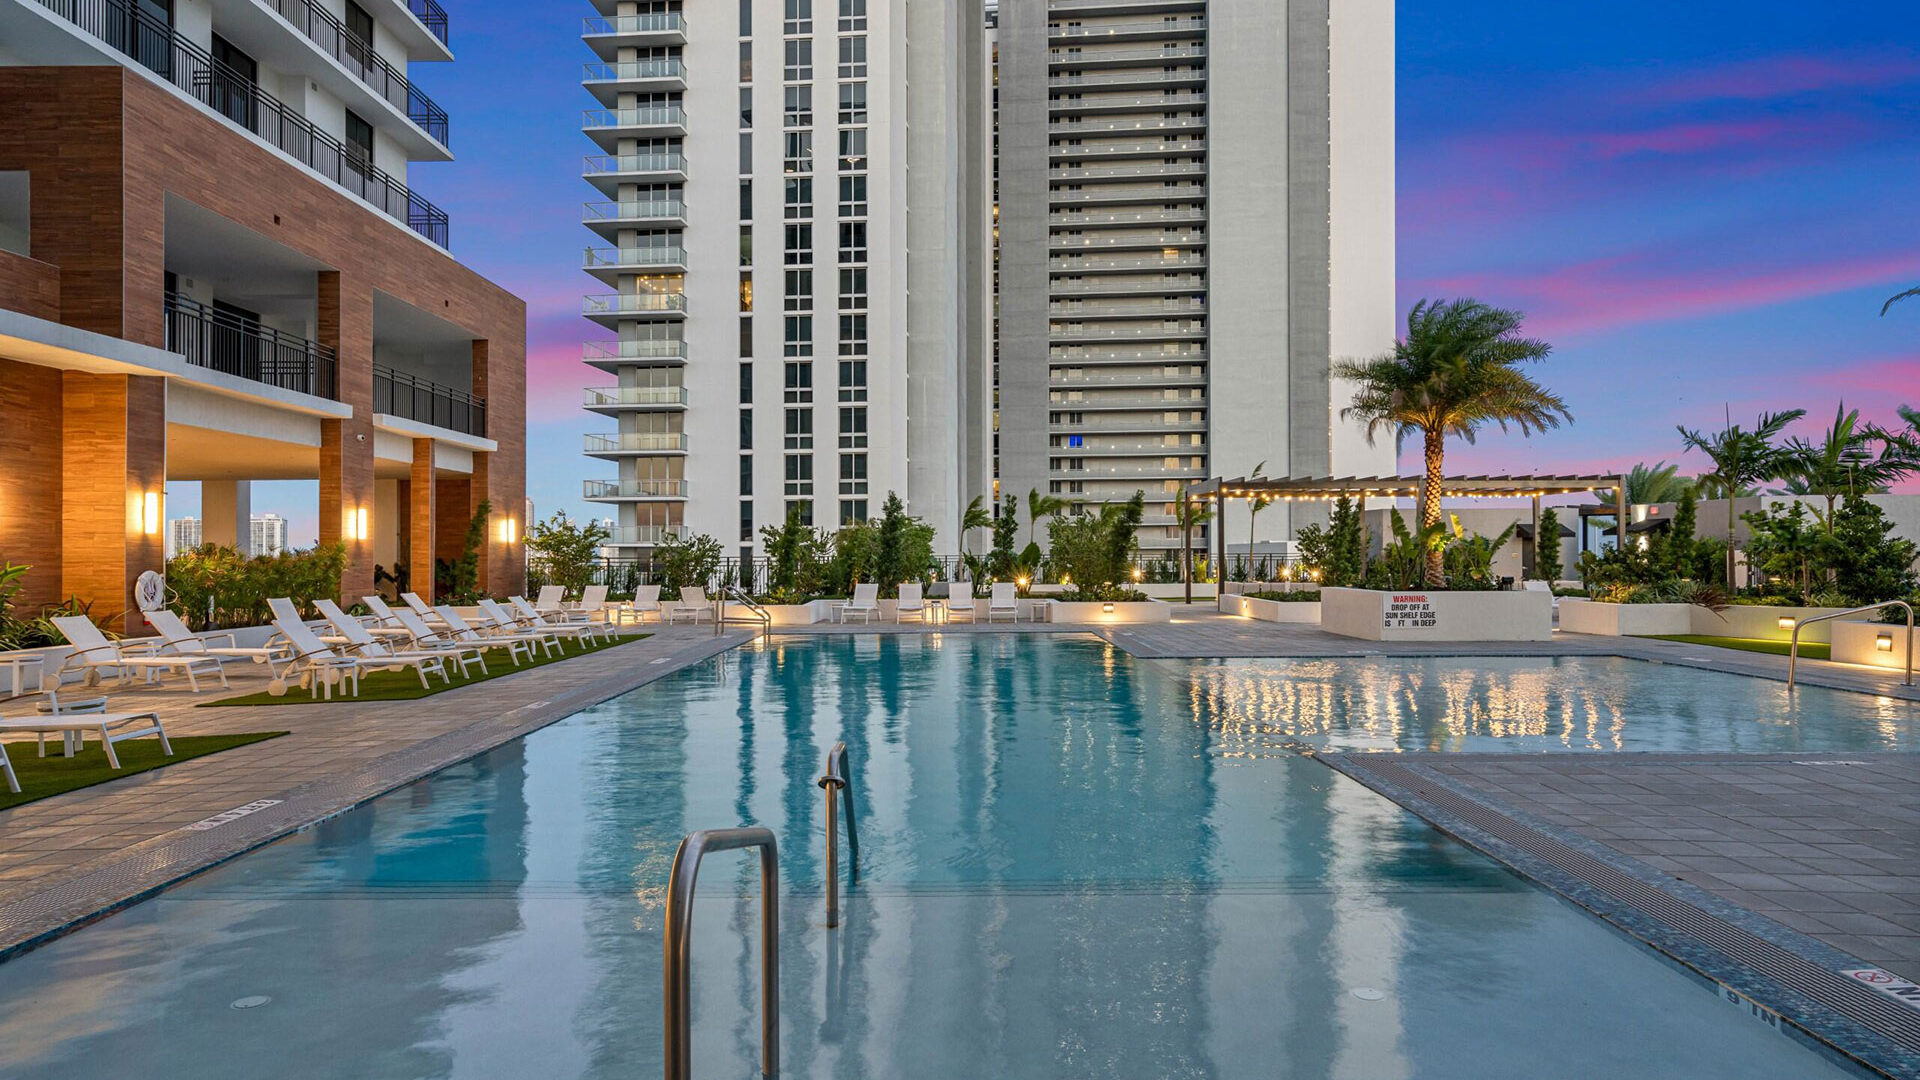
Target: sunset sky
1701, 205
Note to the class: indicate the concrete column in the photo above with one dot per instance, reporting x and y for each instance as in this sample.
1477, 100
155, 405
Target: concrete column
113, 438
420, 517
345, 324
226, 514
500, 376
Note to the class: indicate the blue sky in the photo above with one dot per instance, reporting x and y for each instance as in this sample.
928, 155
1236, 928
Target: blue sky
1702, 205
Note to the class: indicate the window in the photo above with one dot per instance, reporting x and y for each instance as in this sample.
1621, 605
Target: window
799, 341
799, 111
853, 241
853, 335
746, 106
799, 475
360, 25
746, 291
746, 429
853, 149
853, 289
799, 429
746, 18
799, 60
746, 200
799, 290
359, 139
799, 198
853, 15
233, 82
746, 384
746, 474
853, 511
746, 245
853, 428
746, 156
853, 196
799, 151
853, 474
746, 509
799, 245
853, 57
806, 512
746, 338
799, 17
799, 383
853, 103
746, 60
853, 380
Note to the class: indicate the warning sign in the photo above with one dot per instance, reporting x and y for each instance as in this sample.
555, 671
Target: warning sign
1410, 611
1887, 983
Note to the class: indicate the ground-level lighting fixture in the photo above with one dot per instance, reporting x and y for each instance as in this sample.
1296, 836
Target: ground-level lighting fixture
1138, 573
1883, 642
150, 513
1788, 622
1022, 582
1107, 607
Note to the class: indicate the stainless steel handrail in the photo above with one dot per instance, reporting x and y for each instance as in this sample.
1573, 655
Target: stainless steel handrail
1793, 648
679, 945
739, 596
837, 781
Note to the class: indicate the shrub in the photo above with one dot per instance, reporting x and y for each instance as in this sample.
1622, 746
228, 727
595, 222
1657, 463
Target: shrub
1299, 596
216, 587
565, 554
1094, 549
679, 563
1107, 593
796, 558
1547, 565
458, 580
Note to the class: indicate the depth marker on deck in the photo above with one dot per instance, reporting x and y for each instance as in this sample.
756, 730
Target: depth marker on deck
232, 815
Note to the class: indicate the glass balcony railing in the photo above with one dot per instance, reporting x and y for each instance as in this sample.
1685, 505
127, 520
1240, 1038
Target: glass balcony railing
635, 257
409, 397
595, 212
633, 71
651, 116
233, 344
646, 534
635, 163
634, 489
657, 23
651, 349
634, 304
635, 442
613, 397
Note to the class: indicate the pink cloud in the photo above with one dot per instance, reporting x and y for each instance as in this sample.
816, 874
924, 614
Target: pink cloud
1780, 76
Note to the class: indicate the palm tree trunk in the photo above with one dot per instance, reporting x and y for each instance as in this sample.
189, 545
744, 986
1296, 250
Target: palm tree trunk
1730, 490
1430, 502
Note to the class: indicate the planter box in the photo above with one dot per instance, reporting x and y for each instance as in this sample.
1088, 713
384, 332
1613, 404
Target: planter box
1274, 611
1437, 615
1750, 621
1624, 620
1125, 612
1859, 643
1173, 590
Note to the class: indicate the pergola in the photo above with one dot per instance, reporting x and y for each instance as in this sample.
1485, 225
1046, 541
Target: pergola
1361, 488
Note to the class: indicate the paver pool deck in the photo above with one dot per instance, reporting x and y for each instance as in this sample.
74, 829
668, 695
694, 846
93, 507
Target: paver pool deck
1818, 854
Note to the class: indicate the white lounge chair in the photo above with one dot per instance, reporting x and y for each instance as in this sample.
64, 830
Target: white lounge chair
593, 604
443, 641
912, 602
362, 643
463, 632
645, 602
93, 654
285, 610
584, 632
185, 642
865, 604
693, 604
552, 600
333, 613
428, 613
498, 620
315, 665
960, 602
1003, 602
383, 611
74, 723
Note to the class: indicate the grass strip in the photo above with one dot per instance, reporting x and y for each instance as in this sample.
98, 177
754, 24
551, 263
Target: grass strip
43, 777
404, 685
1812, 650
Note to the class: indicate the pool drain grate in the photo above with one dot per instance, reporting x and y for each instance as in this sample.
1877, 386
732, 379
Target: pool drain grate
1877, 1013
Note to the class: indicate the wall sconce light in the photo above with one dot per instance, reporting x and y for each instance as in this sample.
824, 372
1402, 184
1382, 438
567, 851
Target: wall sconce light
1107, 607
357, 525
150, 513
509, 531
1883, 642
1788, 622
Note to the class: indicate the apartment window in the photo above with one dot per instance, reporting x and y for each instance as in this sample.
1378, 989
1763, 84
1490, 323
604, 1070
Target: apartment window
746, 200
359, 139
234, 83
799, 290
746, 156
746, 61
799, 53
746, 474
853, 196
853, 511
746, 384
799, 475
746, 511
746, 339
853, 289
799, 198
853, 380
799, 383
799, 339
799, 110
806, 511
853, 15
853, 241
746, 245
799, 151
799, 245
853, 103
799, 429
853, 474
799, 17
746, 429
853, 335
746, 106
746, 291
853, 57
853, 149
853, 428
360, 25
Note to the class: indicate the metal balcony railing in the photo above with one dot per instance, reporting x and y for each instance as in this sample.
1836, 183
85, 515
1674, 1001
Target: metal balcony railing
609, 397
398, 393
326, 30
1125, 56
432, 16
1126, 126
1149, 28
236, 345
634, 489
151, 43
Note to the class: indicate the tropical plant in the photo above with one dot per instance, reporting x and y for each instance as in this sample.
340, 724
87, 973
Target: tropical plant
457, 580
1455, 371
218, 588
679, 563
1254, 505
1867, 561
1404, 560
1006, 533
1189, 514
903, 546
1742, 458
1095, 549
977, 516
1547, 564
1039, 506
1346, 561
566, 552
1469, 556
1785, 544
1314, 543
1851, 458
1650, 484
796, 554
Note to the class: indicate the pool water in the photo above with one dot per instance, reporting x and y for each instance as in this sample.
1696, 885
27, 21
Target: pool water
1073, 864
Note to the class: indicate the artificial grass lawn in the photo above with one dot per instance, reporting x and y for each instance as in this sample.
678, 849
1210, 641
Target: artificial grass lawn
1812, 650
41, 777
404, 685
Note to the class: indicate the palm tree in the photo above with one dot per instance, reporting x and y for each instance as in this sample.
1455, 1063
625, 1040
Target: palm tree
975, 517
1254, 506
1742, 458
1655, 483
1189, 514
1456, 370
1844, 461
1039, 505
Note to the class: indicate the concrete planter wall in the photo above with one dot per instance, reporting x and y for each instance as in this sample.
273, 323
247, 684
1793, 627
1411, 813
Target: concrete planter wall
1134, 612
1624, 620
1749, 621
1859, 643
1436, 615
1173, 590
1275, 611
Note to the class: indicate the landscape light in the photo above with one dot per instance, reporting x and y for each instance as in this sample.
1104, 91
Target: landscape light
1787, 622
1107, 607
1137, 575
1883, 642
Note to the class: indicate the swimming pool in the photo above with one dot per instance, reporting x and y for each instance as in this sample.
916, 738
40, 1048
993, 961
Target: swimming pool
1074, 864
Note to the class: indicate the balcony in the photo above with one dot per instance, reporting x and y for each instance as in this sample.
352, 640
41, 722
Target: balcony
1074, 57
1122, 423
632, 490
152, 44
1124, 103
432, 16
1074, 309
608, 218
1143, 7
1130, 126
1116, 286
409, 397
607, 81
1148, 400
1121, 379
606, 35
1122, 241
645, 535
611, 356
618, 399
1142, 30
1108, 148
608, 264
325, 30
608, 126
1077, 219
234, 345
1157, 447
1058, 332
611, 309
1171, 352
608, 172
1124, 195
1075, 264
635, 443
1157, 171
1141, 78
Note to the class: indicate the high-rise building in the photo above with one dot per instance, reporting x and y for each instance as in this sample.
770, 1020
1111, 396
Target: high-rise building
1195, 210
269, 534
216, 266
183, 534
793, 243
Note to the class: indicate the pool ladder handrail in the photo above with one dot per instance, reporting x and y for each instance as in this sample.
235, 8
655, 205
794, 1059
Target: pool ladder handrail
838, 781
1793, 648
739, 596
679, 945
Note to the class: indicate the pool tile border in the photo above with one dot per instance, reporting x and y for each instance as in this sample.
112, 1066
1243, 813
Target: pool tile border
1823, 1026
